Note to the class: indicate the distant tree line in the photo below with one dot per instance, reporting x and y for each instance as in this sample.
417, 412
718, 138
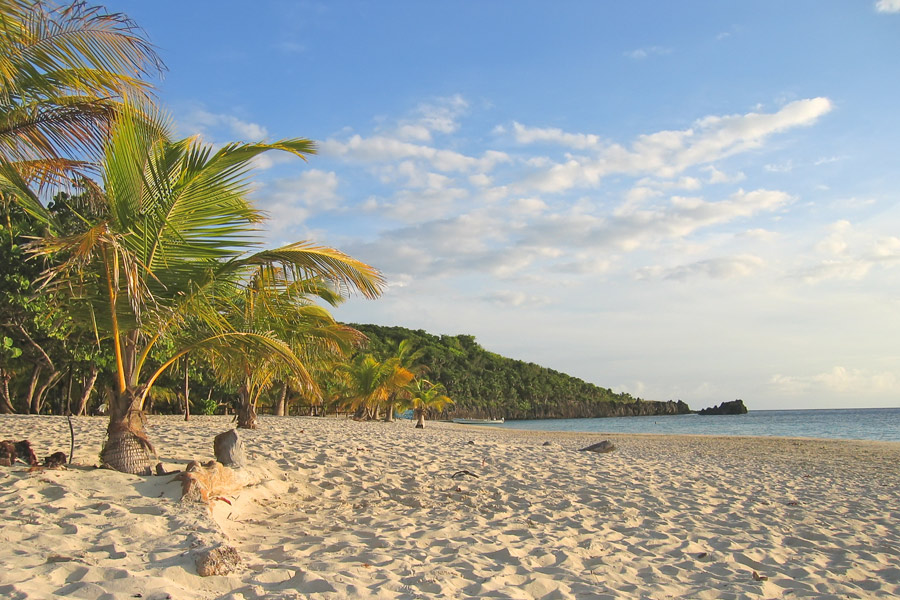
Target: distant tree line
483, 384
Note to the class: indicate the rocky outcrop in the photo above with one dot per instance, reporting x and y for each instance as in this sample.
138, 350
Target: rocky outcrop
735, 407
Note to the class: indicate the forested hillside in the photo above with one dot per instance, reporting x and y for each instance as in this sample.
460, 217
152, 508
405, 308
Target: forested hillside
484, 384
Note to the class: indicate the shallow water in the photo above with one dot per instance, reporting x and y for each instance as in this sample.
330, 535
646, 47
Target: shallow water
853, 424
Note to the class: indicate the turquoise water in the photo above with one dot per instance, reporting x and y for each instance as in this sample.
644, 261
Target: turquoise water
851, 424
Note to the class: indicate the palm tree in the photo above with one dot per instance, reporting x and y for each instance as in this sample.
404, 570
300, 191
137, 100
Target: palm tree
174, 246
426, 396
372, 384
63, 74
275, 307
406, 359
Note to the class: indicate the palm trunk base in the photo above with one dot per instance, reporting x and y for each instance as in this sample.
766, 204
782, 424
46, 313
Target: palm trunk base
247, 418
127, 448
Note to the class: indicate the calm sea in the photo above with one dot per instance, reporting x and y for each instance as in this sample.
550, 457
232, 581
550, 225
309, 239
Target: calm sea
850, 424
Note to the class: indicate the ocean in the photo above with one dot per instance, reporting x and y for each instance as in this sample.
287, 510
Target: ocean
881, 424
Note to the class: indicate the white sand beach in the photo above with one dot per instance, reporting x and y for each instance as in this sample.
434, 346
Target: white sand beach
372, 510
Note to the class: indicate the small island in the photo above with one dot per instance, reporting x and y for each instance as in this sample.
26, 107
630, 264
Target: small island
735, 407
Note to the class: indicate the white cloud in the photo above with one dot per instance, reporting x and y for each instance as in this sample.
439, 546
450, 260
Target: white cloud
849, 253
384, 149
668, 153
430, 118
512, 299
214, 127
730, 267
717, 176
630, 230
839, 379
887, 6
642, 53
532, 135
835, 243
785, 167
291, 201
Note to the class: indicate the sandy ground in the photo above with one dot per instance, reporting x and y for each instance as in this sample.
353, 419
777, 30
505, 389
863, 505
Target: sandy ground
373, 510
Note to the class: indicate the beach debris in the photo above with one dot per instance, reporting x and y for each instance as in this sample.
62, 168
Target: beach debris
58, 558
547, 444
601, 447
220, 560
7, 453
229, 449
463, 473
471, 442
25, 453
758, 577
11, 451
57, 460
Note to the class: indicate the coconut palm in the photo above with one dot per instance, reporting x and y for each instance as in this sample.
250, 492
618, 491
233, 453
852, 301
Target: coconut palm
426, 396
406, 358
373, 384
63, 72
175, 244
281, 309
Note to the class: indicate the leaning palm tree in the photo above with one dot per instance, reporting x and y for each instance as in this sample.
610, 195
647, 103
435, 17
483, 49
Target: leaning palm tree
178, 238
64, 71
426, 396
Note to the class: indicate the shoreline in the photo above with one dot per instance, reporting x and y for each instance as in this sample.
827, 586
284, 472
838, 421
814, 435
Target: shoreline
371, 509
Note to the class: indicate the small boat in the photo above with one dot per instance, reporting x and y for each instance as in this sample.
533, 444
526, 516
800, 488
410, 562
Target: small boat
479, 421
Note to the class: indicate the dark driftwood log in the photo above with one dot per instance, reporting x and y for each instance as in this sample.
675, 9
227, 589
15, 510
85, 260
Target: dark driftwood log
229, 449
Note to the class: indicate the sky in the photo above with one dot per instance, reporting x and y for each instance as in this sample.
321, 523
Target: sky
692, 200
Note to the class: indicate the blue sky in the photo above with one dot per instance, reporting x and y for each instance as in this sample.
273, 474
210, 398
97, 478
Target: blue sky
692, 200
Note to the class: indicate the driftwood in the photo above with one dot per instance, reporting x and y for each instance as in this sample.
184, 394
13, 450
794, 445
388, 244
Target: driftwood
212, 481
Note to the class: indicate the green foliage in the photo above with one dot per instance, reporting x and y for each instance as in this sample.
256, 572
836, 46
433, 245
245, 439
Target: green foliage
204, 406
8, 350
482, 383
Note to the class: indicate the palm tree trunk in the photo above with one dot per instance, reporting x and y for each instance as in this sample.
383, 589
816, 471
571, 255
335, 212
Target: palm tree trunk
389, 413
88, 388
420, 419
281, 406
35, 376
127, 447
37, 399
246, 418
6, 407
187, 392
